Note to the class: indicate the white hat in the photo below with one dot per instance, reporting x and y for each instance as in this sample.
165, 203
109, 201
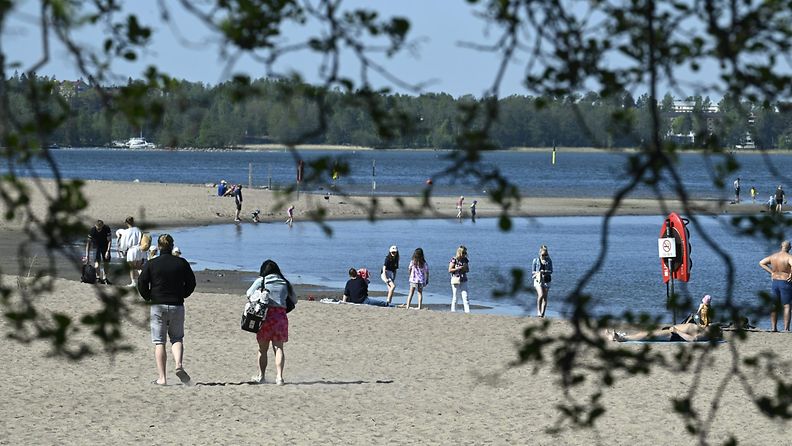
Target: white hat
393, 249
223, 181
153, 248
176, 250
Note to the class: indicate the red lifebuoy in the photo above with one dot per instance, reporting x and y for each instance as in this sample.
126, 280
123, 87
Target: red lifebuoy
681, 264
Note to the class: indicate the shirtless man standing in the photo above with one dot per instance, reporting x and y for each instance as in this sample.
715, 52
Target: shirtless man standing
779, 265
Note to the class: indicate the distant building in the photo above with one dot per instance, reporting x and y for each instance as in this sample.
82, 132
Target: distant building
689, 106
69, 89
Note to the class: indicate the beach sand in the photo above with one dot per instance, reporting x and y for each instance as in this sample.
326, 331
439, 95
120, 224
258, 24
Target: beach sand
355, 374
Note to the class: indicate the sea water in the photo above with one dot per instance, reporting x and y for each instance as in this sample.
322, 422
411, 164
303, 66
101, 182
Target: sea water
629, 277
404, 172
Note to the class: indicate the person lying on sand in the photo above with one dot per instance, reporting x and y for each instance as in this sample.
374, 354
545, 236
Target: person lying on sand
689, 332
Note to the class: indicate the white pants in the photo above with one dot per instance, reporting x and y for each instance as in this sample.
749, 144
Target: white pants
463, 290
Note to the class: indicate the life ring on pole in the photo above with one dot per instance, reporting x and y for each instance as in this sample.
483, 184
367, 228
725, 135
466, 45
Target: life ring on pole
676, 227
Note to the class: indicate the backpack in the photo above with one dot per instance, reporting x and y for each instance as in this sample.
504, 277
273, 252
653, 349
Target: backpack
88, 274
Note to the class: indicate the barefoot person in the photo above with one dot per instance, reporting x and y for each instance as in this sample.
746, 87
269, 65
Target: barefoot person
458, 267
779, 265
356, 289
128, 238
419, 276
275, 329
688, 332
165, 282
542, 270
389, 267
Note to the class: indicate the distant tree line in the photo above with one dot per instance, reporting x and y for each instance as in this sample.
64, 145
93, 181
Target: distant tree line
193, 114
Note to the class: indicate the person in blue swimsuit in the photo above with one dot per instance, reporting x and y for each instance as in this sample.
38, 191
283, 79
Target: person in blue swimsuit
779, 265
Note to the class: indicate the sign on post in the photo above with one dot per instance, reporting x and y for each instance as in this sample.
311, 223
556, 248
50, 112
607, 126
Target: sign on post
666, 247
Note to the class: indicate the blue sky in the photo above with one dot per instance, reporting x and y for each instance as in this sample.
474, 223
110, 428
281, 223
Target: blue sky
438, 27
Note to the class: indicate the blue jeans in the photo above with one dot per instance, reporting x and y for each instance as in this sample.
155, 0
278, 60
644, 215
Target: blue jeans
375, 302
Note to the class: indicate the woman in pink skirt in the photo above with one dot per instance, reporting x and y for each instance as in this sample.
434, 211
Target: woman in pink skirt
275, 329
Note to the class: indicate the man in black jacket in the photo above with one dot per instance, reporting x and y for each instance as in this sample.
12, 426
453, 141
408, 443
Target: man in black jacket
165, 282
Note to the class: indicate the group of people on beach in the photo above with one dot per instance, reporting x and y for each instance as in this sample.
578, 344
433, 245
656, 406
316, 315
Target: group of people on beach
773, 204
356, 288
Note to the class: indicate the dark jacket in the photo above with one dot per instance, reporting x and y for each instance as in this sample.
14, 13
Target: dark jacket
166, 280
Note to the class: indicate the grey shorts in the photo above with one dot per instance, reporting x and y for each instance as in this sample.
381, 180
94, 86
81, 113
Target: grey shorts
167, 319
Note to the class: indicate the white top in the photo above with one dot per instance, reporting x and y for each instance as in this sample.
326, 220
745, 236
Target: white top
128, 238
135, 254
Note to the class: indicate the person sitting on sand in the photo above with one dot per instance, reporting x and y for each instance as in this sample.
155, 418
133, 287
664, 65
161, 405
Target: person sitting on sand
687, 332
356, 291
703, 315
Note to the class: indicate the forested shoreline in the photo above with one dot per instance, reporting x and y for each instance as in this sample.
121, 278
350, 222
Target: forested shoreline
191, 114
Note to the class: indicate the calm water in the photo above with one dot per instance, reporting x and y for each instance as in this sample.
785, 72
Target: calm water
402, 171
630, 277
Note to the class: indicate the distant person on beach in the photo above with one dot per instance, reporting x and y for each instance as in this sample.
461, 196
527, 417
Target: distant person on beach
165, 282
127, 237
779, 265
238, 201
473, 210
542, 270
356, 291
458, 268
779, 199
221, 188
99, 241
737, 190
459, 205
687, 332
176, 251
419, 277
136, 256
275, 329
290, 215
753, 194
389, 268
230, 191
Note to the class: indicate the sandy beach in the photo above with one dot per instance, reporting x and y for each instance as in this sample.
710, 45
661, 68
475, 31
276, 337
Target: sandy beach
355, 374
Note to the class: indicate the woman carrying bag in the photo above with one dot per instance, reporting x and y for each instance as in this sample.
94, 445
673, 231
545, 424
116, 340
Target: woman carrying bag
275, 329
542, 270
458, 268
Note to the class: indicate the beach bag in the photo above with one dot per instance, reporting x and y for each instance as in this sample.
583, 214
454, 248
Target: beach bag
253, 316
255, 311
289, 304
547, 277
456, 280
88, 274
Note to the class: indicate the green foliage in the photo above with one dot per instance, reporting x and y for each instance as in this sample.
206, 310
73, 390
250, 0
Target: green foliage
566, 49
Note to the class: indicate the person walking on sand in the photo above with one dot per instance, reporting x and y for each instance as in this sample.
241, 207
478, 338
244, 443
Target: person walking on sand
165, 282
275, 329
737, 190
238, 201
459, 205
542, 270
753, 194
458, 268
290, 215
389, 267
100, 240
419, 277
136, 256
127, 237
473, 210
779, 265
